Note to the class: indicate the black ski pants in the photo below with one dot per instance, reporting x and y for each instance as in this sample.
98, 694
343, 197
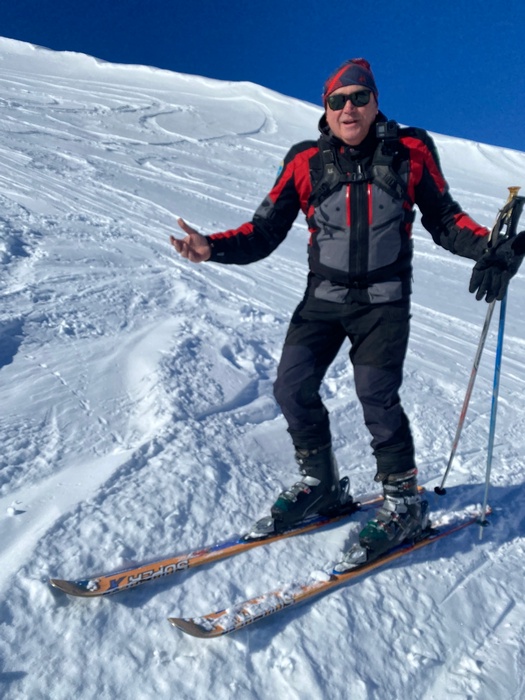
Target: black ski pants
378, 335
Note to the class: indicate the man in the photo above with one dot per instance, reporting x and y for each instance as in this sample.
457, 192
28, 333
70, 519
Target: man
357, 186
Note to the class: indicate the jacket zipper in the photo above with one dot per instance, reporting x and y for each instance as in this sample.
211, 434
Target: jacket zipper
358, 218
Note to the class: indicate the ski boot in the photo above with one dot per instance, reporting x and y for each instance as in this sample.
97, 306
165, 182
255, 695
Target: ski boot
402, 517
319, 492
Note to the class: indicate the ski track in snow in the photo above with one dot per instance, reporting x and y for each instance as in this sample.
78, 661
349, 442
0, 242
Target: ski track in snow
139, 420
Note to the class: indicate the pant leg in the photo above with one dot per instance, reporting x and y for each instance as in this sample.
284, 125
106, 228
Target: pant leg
311, 345
379, 337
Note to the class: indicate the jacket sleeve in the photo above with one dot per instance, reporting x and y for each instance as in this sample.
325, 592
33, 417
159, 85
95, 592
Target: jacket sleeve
442, 217
271, 222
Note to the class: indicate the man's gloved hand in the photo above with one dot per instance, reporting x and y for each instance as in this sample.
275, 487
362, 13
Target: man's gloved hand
492, 273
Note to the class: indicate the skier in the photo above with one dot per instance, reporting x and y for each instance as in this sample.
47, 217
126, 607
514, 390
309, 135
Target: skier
357, 186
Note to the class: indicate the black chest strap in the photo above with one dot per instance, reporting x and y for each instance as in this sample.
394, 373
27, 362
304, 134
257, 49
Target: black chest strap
381, 169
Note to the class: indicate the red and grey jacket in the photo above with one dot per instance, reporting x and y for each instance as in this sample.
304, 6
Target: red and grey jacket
358, 203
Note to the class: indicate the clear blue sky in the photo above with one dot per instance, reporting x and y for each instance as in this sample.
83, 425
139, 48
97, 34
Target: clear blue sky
455, 66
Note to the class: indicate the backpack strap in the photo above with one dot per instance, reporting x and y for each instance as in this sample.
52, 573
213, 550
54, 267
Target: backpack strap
330, 176
385, 175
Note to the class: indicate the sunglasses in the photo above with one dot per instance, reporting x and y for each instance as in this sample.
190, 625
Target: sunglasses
358, 99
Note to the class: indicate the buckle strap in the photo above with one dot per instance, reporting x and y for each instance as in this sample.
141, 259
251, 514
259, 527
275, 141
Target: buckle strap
303, 486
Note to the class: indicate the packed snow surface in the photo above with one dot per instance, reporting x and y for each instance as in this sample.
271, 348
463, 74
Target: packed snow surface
138, 418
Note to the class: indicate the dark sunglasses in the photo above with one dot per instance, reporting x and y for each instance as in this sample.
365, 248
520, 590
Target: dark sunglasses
358, 99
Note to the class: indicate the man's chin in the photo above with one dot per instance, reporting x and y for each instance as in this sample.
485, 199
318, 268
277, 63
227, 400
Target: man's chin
351, 135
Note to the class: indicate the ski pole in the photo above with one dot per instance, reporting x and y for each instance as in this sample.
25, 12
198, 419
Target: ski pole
493, 412
504, 217
512, 222
441, 490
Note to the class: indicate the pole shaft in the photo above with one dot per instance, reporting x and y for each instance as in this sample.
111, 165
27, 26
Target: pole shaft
494, 408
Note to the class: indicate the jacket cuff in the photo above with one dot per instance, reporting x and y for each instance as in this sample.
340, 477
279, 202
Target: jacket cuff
217, 248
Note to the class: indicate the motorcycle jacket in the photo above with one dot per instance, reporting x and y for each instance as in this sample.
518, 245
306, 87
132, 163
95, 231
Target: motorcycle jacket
359, 206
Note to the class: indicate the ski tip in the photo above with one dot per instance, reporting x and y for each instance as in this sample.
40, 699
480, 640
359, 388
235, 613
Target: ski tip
59, 584
189, 626
71, 588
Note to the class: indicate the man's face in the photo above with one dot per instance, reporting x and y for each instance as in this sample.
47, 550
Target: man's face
351, 124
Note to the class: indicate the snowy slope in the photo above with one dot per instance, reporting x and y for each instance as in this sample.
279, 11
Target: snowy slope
138, 419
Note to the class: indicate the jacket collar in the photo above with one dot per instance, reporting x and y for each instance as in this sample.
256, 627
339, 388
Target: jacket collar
365, 147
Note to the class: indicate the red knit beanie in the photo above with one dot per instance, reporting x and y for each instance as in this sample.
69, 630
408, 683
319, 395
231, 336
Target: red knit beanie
355, 71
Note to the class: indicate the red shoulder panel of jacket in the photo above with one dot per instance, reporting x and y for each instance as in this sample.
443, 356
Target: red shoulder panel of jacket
303, 181
421, 158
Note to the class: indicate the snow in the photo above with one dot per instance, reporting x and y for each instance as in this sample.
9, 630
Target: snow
138, 417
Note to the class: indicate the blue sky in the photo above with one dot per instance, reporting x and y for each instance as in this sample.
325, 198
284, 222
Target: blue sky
455, 67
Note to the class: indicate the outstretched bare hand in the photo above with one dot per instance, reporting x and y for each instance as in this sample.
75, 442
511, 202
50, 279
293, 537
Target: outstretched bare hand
194, 246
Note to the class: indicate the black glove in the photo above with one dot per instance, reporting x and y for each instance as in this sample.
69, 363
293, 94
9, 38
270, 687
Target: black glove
492, 273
